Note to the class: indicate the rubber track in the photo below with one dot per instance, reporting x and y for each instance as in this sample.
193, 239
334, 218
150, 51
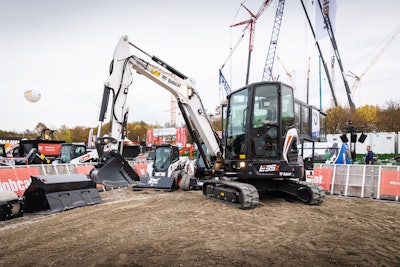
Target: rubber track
317, 192
248, 192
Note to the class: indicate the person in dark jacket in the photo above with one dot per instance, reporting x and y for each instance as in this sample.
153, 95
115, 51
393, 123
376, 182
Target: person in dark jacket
369, 157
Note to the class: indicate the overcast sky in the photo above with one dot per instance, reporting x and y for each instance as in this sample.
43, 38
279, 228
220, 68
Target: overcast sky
63, 49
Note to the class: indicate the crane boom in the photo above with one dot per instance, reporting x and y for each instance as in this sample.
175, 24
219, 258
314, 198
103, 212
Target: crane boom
336, 50
269, 63
321, 56
387, 43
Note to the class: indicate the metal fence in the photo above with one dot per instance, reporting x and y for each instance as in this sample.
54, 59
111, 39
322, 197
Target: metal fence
53, 169
379, 182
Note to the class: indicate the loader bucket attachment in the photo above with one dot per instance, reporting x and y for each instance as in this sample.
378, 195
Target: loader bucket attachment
114, 172
11, 205
159, 182
54, 193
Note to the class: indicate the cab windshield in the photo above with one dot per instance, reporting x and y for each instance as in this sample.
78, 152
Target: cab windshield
162, 161
236, 122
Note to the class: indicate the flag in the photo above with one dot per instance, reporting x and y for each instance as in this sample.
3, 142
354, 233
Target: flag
328, 9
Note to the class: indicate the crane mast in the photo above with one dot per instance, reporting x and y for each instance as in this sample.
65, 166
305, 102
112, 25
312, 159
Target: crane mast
269, 63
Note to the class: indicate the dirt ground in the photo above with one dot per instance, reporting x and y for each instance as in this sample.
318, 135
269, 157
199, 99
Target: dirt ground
157, 228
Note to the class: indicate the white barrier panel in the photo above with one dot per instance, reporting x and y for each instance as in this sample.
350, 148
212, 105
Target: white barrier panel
380, 182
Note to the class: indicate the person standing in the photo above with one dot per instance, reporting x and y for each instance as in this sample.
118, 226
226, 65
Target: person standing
369, 157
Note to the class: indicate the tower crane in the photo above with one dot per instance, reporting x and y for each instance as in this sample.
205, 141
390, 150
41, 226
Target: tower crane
249, 24
269, 63
386, 44
252, 24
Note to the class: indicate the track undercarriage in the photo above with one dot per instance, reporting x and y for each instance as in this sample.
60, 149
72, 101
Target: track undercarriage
241, 195
296, 191
246, 195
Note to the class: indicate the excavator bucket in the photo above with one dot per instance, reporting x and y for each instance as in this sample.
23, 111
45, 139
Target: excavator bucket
114, 172
54, 193
11, 205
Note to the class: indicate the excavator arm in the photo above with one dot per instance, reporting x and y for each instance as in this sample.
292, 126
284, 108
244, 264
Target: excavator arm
117, 86
178, 84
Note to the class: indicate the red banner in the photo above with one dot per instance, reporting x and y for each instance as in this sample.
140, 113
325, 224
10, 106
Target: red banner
17, 180
324, 177
150, 138
49, 149
390, 183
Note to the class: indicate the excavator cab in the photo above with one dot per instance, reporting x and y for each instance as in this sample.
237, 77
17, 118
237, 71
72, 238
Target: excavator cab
261, 139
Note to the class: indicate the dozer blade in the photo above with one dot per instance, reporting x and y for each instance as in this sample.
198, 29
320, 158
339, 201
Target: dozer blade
159, 182
54, 193
114, 172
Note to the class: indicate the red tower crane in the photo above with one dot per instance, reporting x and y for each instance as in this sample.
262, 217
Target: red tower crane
252, 24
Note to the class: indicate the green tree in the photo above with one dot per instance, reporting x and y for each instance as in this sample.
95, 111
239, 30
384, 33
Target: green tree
29, 134
368, 115
336, 119
388, 118
80, 134
136, 131
64, 133
7, 134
